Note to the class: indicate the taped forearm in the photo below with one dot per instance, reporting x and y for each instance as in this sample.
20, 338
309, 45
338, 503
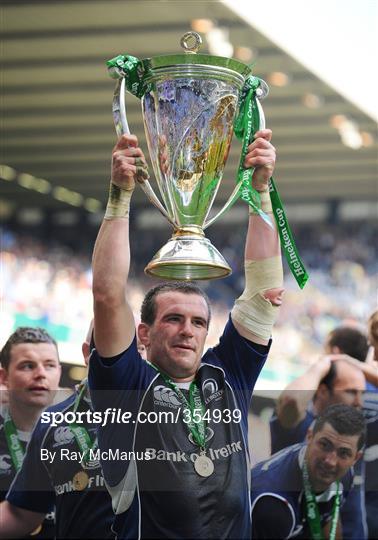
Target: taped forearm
257, 308
118, 202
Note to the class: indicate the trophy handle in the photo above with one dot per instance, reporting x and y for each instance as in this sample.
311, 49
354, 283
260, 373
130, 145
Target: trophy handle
235, 194
231, 200
122, 127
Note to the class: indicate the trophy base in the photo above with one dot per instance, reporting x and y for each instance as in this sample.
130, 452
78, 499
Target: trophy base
188, 256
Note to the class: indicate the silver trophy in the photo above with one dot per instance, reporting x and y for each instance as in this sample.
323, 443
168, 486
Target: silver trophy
188, 112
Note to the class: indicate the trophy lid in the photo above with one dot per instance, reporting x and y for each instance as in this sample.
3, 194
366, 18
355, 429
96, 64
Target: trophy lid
139, 75
190, 60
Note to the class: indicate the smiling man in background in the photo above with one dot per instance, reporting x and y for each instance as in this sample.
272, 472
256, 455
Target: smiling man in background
30, 370
303, 486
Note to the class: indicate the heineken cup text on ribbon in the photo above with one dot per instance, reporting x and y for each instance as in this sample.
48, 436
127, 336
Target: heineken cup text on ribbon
188, 151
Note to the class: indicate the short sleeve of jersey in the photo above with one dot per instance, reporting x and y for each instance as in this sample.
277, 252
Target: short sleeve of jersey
240, 359
127, 371
32, 488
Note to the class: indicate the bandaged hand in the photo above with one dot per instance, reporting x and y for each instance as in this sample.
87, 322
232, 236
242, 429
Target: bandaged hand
257, 308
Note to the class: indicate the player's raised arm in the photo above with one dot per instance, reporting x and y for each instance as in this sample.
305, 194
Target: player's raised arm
255, 311
114, 327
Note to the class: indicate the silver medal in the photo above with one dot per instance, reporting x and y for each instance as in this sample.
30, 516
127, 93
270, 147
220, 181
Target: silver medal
203, 465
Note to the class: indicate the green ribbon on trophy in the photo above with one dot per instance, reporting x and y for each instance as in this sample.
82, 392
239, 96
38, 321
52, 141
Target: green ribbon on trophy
246, 125
132, 69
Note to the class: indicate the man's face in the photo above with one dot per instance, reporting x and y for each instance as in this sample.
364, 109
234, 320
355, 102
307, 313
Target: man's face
348, 386
33, 374
176, 339
329, 455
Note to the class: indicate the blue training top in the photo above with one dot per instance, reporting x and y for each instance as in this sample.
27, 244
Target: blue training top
278, 504
354, 526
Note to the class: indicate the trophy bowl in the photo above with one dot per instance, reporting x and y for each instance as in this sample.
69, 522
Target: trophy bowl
189, 105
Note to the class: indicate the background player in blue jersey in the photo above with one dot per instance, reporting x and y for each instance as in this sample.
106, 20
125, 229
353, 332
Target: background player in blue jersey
30, 370
297, 492
83, 505
195, 481
333, 379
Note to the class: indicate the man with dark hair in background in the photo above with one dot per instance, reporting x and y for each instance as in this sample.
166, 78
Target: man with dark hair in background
297, 492
348, 340
332, 379
30, 370
76, 487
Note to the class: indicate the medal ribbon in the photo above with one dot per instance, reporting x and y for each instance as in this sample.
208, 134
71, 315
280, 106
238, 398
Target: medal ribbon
81, 434
197, 429
245, 126
312, 510
15, 446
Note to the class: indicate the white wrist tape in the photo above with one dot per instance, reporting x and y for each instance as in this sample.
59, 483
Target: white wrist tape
266, 203
118, 203
252, 310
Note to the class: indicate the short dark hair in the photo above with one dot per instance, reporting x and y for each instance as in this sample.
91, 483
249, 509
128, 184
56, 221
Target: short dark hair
350, 341
24, 334
344, 419
148, 309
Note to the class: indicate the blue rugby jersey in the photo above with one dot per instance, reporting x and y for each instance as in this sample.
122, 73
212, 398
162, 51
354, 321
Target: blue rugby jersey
278, 504
281, 438
82, 510
163, 496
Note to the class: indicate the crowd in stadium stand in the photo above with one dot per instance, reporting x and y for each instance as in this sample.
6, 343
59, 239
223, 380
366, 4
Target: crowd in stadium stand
50, 284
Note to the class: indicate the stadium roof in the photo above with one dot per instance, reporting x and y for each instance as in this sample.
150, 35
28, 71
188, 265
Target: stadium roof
57, 122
